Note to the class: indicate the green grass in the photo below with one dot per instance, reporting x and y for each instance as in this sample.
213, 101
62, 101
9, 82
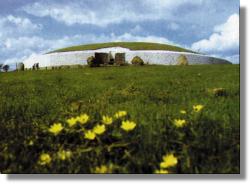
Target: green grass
129, 45
31, 101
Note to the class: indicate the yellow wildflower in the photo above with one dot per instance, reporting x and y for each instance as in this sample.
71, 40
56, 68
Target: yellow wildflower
103, 169
63, 155
198, 108
107, 120
128, 125
183, 112
169, 160
99, 129
44, 159
161, 171
56, 128
90, 135
83, 118
31, 143
72, 121
179, 122
120, 114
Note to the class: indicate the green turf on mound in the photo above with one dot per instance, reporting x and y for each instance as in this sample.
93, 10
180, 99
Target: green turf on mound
129, 45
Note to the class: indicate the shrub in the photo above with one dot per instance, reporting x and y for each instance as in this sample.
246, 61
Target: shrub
91, 61
182, 60
137, 61
6, 68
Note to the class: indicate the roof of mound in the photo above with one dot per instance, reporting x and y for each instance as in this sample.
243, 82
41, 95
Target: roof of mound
129, 45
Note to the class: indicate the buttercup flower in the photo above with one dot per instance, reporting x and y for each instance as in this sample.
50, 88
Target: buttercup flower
103, 169
56, 128
90, 135
128, 125
72, 121
107, 120
161, 171
99, 129
179, 122
198, 108
44, 159
31, 142
83, 118
120, 114
183, 112
63, 155
169, 160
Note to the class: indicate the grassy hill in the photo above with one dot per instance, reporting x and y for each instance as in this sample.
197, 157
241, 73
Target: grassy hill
154, 97
129, 45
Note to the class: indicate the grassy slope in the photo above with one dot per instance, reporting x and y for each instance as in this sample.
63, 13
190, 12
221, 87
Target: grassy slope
130, 45
153, 96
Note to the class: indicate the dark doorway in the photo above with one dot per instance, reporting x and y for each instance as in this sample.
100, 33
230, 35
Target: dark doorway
102, 58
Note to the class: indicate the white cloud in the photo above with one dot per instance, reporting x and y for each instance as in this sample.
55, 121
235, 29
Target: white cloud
131, 37
12, 24
15, 40
19, 48
22, 23
75, 13
235, 59
113, 12
174, 26
14, 60
38, 44
225, 37
137, 29
16, 44
169, 4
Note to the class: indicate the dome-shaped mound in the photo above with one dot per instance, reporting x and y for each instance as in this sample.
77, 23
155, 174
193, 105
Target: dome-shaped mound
130, 45
121, 53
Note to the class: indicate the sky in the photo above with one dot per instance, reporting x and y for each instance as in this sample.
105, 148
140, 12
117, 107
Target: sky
31, 27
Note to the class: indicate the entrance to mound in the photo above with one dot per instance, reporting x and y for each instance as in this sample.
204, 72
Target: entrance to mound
102, 58
108, 58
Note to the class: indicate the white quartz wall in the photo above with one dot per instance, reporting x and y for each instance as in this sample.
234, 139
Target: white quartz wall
171, 58
59, 59
150, 57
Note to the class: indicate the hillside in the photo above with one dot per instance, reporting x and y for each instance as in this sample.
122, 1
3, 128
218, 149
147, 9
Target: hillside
129, 45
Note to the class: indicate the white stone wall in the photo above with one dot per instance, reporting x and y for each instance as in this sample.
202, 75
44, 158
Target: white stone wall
150, 57
171, 58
